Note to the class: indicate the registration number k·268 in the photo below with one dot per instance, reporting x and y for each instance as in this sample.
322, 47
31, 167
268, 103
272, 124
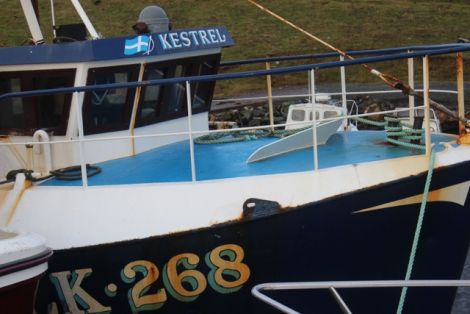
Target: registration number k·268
181, 280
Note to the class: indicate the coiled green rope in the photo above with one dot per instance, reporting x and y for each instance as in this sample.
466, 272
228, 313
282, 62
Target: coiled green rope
402, 135
397, 131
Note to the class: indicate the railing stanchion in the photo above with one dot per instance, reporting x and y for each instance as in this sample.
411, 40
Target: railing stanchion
340, 301
190, 131
460, 93
270, 96
135, 107
314, 120
343, 92
81, 148
427, 129
411, 83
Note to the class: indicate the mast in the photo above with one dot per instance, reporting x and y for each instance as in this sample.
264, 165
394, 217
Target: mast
31, 13
89, 26
36, 8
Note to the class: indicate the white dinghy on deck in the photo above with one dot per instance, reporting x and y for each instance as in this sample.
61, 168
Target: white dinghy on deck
297, 141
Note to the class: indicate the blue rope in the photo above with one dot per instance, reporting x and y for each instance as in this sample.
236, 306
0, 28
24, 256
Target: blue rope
419, 225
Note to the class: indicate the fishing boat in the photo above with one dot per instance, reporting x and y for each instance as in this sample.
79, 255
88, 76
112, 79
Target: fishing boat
99, 154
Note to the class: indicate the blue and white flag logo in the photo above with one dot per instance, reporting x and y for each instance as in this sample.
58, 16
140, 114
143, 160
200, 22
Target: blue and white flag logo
141, 44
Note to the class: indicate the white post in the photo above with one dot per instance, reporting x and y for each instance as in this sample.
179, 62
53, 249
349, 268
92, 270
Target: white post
32, 21
308, 88
89, 26
190, 131
80, 140
270, 97
135, 106
343, 92
411, 83
53, 19
427, 129
460, 93
38, 137
314, 120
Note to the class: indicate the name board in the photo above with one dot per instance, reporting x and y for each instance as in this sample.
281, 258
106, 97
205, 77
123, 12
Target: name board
118, 48
177, 41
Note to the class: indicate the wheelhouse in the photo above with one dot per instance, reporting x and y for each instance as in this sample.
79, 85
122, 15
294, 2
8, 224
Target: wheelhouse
122, 111
23, 116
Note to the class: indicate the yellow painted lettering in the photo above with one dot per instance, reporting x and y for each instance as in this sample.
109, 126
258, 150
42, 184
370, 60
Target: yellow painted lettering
137, 298
70, 292
174, 281
225, 262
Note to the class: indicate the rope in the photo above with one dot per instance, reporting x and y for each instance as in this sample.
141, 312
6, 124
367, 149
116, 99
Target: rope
75, 172
391, 131
241, 136
66, 174
397, 131
371, 122
231, 137
386, 78
419, 225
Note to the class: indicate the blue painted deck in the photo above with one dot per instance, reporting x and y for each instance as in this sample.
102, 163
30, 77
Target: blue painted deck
171, 163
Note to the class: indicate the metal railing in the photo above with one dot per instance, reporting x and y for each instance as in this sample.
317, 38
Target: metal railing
403, 53
245, 74
384, 51
350, 93
332, 286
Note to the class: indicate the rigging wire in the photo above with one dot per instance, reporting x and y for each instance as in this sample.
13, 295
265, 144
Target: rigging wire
390, 80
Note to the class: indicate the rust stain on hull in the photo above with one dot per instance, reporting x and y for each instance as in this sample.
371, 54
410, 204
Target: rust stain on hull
464, 139
27, 184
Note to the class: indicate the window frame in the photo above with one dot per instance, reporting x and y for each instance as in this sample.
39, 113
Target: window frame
190, 68
124, 124
32, 105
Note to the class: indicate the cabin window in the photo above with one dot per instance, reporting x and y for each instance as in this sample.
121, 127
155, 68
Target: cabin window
177, 99
166, 102
317, 116
150, 106
109, 110
298, 115
330, 114
403, 114
203, 90
23, 116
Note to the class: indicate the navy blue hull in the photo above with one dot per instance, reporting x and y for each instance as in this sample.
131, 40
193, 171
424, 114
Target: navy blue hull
323, 241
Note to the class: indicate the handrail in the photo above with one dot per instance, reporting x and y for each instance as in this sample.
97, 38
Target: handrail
423, 51
333, 285
364, 92
246, 74
335, 54
196, 132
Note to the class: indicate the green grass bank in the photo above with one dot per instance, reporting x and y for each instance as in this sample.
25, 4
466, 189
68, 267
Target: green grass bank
356, 24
